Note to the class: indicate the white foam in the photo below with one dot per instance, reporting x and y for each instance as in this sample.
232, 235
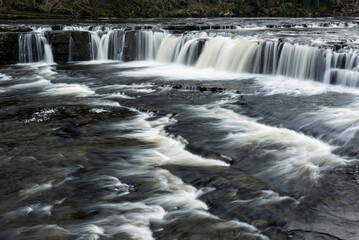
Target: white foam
39, 83
51, 231
344, 121
105, 103
118, 95
68, 89
112, 183
168, 150
130, 88
41, 116
90, 232
133, 219
299, 156
96, 62
4, 77
289, 86
170, 199
35, 188
98, 110
266, 197
181, 72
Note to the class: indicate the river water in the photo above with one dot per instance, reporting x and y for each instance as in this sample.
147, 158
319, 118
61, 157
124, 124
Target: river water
253, 135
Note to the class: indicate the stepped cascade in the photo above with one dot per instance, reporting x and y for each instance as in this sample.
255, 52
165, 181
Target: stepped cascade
205, 49
146, 129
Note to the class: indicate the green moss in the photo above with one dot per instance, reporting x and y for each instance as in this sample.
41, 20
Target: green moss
169, 8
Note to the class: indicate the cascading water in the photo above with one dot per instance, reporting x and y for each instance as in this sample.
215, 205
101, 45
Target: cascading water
251, 55
107, 45
145, 150
33, 47
220, 51
71, 45
149, 43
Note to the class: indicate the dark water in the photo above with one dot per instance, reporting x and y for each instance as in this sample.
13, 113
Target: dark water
151, 150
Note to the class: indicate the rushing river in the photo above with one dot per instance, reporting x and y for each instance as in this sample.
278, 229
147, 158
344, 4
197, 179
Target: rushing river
240, 129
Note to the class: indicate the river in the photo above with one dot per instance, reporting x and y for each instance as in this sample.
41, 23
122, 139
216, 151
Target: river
223, 128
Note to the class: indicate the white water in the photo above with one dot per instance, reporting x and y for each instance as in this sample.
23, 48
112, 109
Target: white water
107, 45
221, 51
33, 47
176, 198
341, 123
299, 157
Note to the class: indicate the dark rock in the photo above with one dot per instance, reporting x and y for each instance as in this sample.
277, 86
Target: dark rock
56, 27
81, 49
200, 46
215, 89
9, 48
185, 28
60, 42
130, 48
276, 233
14, 29
202, 89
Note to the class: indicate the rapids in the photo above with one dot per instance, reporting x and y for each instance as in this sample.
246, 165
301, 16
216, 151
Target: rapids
182, 129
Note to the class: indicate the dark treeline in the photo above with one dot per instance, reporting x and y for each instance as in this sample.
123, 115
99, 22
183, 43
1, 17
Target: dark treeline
177, 8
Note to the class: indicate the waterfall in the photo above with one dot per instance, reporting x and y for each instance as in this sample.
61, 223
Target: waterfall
107, 45
149, 43
222, 51
183, 49
110, 44
242, 55
234, 54
71, 45
33, 47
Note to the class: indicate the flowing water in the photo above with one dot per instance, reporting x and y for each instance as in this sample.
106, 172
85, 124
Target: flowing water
227, 129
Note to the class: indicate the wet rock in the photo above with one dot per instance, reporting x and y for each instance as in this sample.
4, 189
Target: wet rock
9, 48
276, 233
241, 101
70, 45
69, 131
184, 28
130, 48
200, 46
56, 27
201, 88
14, 29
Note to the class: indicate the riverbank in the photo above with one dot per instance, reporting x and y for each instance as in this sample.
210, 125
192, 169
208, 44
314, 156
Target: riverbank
174, 8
